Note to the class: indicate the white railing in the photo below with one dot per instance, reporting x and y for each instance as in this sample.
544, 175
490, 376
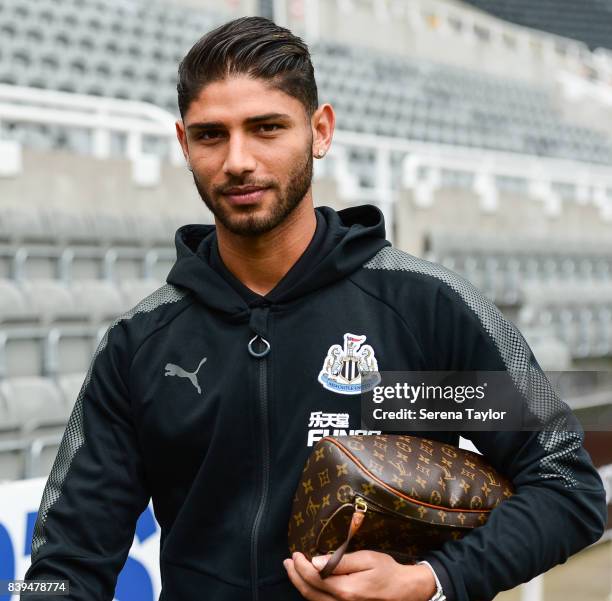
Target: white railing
423, 163
100, 116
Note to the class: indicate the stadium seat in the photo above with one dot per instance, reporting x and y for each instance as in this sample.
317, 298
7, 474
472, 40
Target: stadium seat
36, 404
9, 427
134, 291
101, 299
113, 227
152, 230
158, 262
19, 224
124, 263
82, 263
14, 307
53, 301
12, 459
22, 351
12, 447
33, 261
69, 349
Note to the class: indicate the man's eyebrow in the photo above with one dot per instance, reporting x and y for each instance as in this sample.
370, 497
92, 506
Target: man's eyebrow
248, 121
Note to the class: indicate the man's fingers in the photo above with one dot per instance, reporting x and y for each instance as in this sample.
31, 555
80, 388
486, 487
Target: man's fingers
336, 586
357, 561
309, 573
303, 586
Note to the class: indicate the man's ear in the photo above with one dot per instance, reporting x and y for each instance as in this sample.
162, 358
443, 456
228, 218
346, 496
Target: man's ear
323, 124
182, 138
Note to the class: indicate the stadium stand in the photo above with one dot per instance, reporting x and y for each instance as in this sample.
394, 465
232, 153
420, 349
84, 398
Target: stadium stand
555, 289
37, 405
504, 265
580, 316
95, 48
446, 105
422, 100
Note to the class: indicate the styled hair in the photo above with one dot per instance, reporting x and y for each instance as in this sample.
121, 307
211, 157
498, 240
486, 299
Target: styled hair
252, 46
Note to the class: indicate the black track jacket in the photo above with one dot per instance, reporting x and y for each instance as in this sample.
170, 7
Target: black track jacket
174, 407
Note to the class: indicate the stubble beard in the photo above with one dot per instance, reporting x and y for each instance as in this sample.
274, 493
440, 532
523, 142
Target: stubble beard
248, 223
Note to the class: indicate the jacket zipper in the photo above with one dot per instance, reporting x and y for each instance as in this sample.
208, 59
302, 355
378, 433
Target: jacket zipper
265, 473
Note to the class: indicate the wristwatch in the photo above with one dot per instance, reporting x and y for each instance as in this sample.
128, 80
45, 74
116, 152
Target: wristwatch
439, 594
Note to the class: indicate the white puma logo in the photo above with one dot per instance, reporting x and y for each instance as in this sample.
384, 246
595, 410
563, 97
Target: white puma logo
177, 370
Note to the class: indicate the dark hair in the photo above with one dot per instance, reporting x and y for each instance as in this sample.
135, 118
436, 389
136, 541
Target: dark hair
254, 46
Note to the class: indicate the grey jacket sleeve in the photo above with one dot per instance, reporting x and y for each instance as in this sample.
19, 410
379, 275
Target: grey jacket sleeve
97, 487
559, 506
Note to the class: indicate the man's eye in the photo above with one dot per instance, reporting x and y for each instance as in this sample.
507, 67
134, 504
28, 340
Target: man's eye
270, 125
206, 135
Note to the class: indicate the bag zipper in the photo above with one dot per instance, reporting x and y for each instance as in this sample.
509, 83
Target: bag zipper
360, 505
363, 504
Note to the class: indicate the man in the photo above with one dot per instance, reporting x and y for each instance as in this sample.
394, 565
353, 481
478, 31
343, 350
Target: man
203, 394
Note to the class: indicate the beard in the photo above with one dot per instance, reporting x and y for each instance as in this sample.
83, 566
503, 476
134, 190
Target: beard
246, 221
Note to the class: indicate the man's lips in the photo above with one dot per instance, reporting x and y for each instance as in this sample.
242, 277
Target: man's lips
246, 197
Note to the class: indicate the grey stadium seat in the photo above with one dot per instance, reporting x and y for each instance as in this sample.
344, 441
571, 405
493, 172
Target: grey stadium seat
113, 226
34, 261
134, 291
69, 349
53, 301
37, 405
22, 223
101, 299
22, 351
14, 308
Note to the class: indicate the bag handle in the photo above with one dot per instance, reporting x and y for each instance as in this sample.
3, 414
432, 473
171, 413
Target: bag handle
334, 560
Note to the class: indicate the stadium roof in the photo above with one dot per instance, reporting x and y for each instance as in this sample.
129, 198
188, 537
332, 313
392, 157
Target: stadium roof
589, 21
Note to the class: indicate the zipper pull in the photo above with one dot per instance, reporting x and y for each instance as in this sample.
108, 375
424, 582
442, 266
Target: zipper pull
360, 504
263, 352
258, 323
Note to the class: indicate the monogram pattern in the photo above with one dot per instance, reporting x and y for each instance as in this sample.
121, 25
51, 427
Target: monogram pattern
419, 492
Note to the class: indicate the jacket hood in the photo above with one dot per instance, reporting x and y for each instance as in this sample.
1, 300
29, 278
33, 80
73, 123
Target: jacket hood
352, 236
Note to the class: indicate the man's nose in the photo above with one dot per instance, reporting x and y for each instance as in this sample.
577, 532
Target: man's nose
239, 157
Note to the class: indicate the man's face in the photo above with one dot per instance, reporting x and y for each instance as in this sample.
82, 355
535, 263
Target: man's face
229, 148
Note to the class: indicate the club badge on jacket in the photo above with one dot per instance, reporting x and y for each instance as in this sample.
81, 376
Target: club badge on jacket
350, 369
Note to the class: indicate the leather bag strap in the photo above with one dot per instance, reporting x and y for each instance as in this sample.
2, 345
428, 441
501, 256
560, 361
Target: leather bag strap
334, 560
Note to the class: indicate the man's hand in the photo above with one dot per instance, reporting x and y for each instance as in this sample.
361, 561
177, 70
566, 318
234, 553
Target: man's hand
361, 576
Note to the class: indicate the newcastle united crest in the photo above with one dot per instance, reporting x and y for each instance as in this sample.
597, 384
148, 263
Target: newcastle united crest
351, 369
